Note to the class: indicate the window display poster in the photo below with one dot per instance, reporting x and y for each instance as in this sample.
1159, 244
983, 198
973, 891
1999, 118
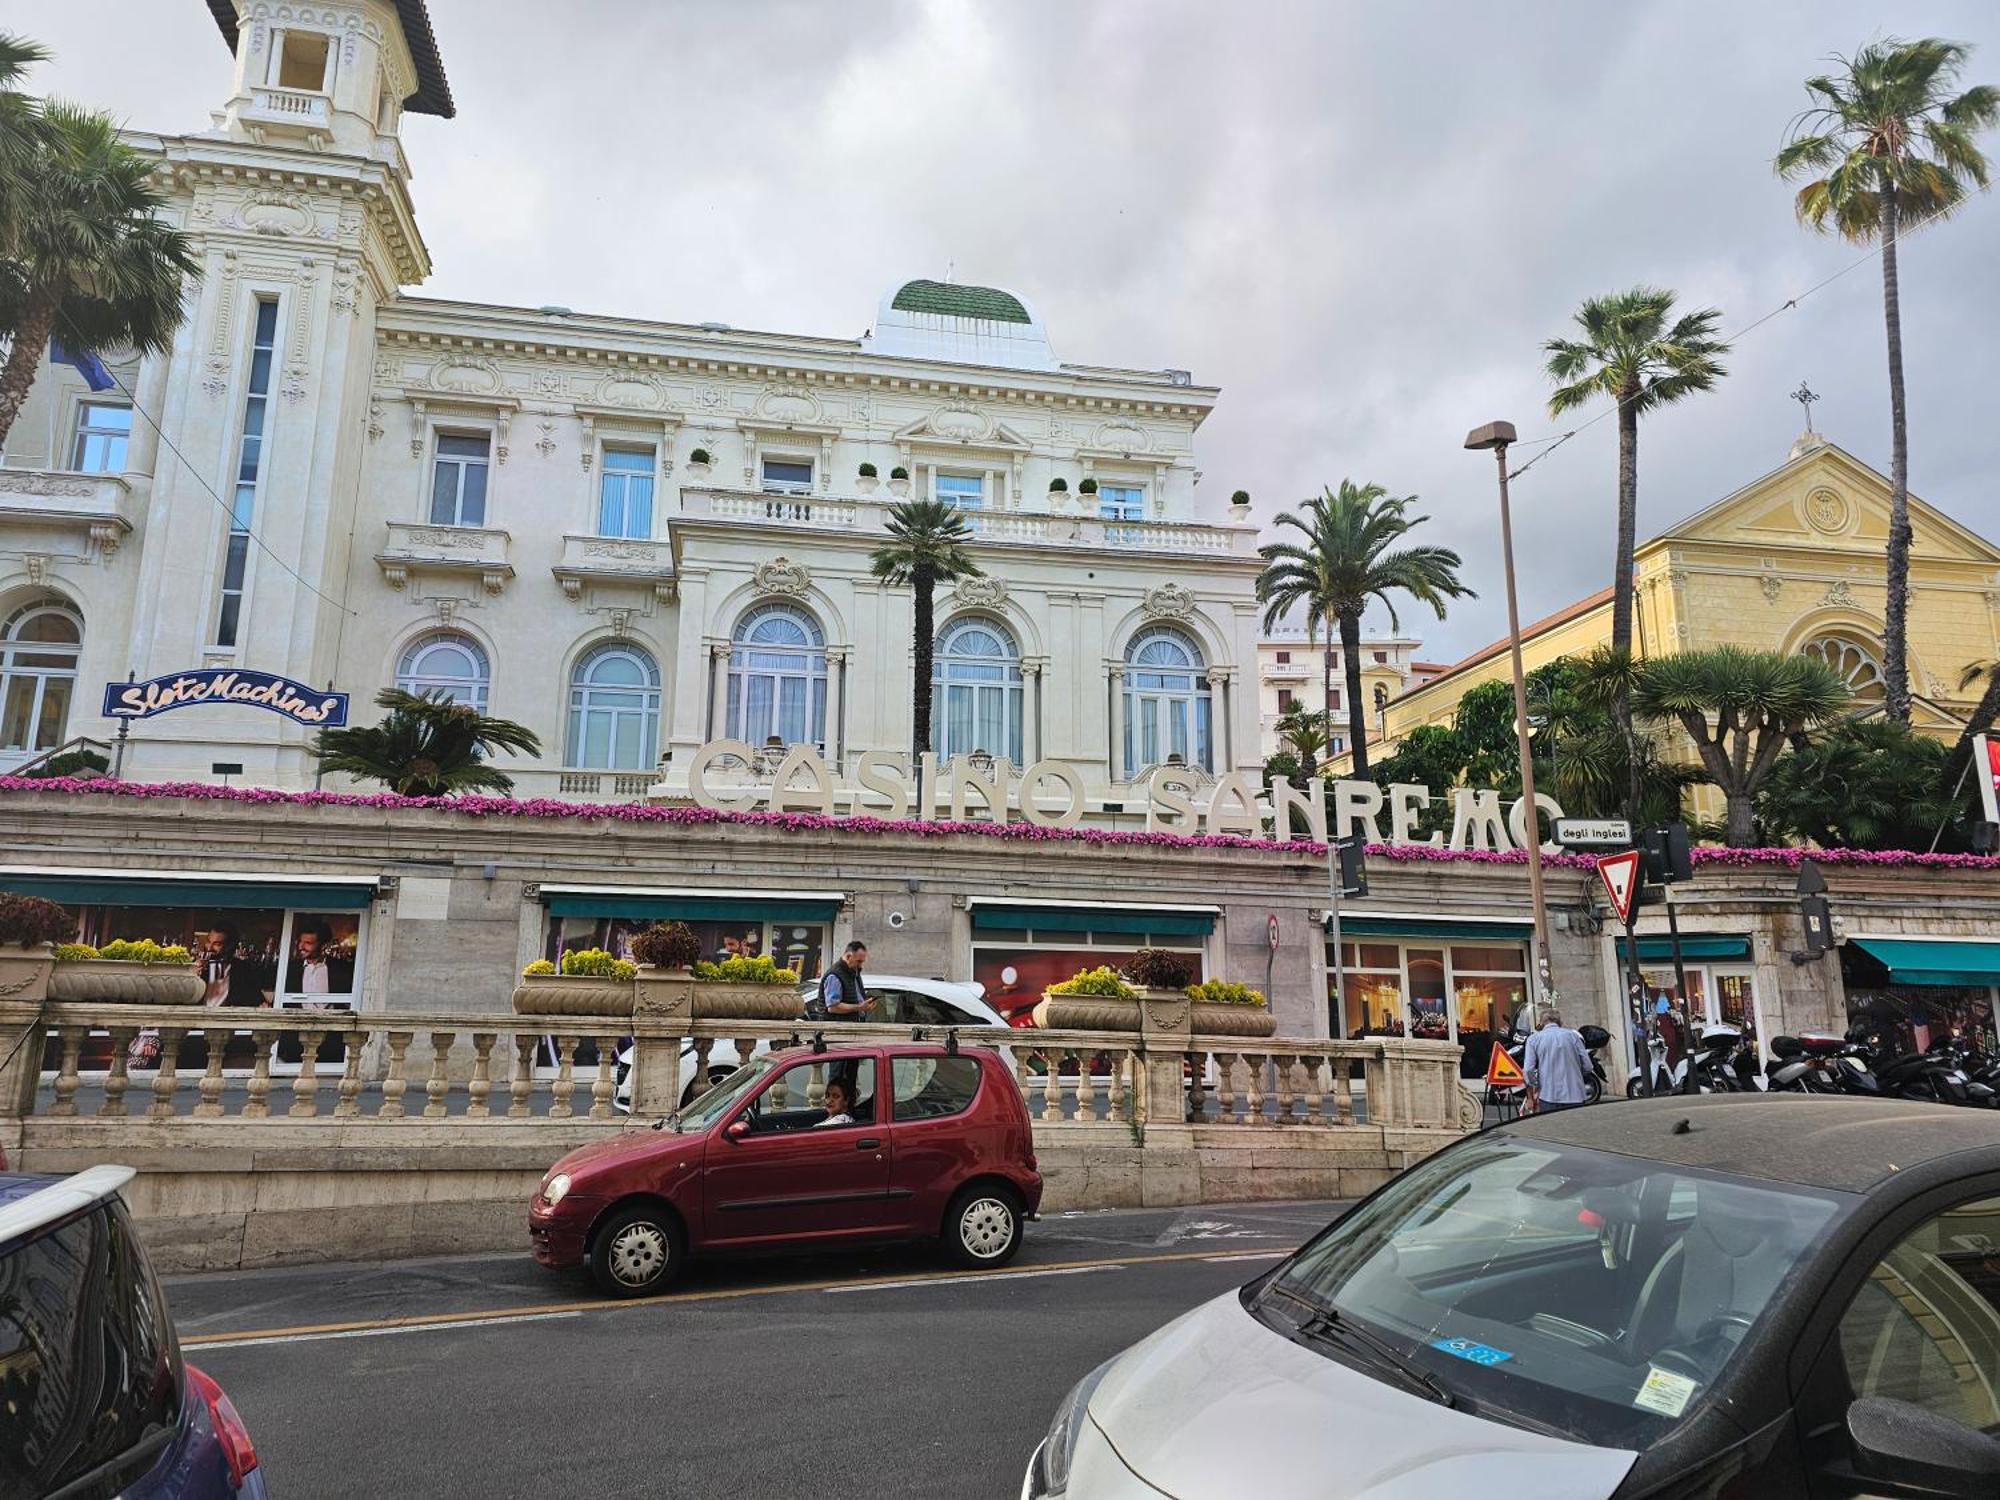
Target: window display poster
1016, 977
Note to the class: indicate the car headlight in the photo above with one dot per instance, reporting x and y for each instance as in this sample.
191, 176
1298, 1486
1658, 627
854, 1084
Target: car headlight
554, 1189
1050, 1475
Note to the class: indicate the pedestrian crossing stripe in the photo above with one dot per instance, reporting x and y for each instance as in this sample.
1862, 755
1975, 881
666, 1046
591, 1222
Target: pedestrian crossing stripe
1503, 1070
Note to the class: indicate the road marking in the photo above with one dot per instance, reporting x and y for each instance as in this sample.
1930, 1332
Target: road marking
243, 1337
376, 1333
885, 1286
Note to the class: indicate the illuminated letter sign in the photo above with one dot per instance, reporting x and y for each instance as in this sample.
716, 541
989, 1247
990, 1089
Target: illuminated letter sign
226, 687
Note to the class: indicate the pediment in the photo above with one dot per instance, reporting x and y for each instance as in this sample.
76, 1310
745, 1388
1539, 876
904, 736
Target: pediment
965, 424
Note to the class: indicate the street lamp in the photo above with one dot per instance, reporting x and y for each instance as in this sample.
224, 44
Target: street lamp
1497, 435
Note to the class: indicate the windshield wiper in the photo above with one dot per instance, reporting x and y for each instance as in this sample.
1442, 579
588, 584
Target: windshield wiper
1325, 1324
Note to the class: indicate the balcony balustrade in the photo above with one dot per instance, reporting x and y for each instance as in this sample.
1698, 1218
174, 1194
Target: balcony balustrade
414, 548
51, 512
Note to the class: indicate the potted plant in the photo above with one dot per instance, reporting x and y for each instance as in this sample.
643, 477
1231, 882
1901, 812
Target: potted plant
899, 482
1093, 1000
589, 982
746, 989
1221, 1007
126, 973
1058, 493
28, 926
1088, 487
867, 481
667, 953
1239, 504
698, 463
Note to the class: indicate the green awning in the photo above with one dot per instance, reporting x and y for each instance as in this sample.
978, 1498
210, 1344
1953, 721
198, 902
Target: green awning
678, 908
108, 890
1436, 929
1693, 946
1934, 960
1165, 921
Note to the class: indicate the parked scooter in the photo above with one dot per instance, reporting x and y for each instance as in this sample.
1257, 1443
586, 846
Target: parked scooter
1515, 1040
1724, 1062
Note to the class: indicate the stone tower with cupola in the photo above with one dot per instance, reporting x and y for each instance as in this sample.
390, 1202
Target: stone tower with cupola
299, 205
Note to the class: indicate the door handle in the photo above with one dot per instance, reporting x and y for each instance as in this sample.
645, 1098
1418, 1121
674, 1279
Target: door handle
867, 1143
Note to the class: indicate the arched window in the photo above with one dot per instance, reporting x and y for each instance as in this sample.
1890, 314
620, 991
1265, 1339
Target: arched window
1166, 702
614, 710
446, 663
976, 691
38, 651
777, 678
1853, 660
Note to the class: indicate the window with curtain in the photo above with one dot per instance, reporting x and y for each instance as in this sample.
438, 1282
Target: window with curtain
447, 663
38, 651
777, 678
614, 710
966, 491
976, 693
1121, 502
625, 493
1166, 702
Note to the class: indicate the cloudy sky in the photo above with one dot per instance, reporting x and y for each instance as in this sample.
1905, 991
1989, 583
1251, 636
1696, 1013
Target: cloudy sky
1359, 221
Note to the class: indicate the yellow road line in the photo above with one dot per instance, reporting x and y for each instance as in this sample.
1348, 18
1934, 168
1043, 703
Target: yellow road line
716, 1294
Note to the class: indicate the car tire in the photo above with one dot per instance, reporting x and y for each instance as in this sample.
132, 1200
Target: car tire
983, 1227
637, 1251
1593, 1089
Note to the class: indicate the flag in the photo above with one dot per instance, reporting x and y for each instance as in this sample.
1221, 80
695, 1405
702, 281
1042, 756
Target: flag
85, 363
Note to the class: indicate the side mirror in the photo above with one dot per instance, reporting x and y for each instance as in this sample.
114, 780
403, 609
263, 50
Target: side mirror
1913, 1450
736, 1129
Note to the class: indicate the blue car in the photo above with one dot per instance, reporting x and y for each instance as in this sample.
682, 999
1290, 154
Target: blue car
95, 1399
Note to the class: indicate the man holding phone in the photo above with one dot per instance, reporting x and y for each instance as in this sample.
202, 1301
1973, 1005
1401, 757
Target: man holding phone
842, 994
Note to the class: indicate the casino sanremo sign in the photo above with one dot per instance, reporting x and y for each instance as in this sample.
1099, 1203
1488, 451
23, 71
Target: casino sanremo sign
226, 687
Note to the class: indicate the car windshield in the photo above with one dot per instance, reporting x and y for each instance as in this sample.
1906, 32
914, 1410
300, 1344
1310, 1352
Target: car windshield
711, 1106
1582, 1293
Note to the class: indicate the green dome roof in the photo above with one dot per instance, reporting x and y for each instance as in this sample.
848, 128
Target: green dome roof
946, 299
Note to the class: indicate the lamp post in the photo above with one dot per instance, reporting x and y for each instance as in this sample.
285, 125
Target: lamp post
1496, 436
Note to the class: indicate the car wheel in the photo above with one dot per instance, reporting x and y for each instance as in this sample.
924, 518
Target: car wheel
637, 1251
982, 1227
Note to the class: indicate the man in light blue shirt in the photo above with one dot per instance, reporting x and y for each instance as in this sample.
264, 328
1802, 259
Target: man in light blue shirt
1555, 1063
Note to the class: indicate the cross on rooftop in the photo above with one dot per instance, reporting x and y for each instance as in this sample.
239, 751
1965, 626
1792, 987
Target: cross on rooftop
1805, 397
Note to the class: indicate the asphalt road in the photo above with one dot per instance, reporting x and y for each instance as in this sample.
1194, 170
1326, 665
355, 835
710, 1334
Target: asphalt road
876, 1373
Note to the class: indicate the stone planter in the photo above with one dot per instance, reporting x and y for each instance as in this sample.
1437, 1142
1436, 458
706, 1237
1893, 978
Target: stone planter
699, 472
663, 994
900, 488
1231, 1020
1152, 1011
24, 973
572, 995
118, 982
866, 483
719, 1000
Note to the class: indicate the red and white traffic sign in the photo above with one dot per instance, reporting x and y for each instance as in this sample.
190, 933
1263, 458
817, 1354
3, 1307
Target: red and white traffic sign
1620, 874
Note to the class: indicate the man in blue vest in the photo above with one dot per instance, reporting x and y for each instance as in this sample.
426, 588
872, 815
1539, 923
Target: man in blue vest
842, 993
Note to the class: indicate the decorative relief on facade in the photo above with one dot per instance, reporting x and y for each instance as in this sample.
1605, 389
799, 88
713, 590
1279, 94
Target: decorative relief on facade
961, 419
788, 403
1122, 437
467, 374
551, 383
546, 443
281, 215
447, 538
375, 428
1827, 511
780, 575
388, 369
1170, 601
622, 551
710, 398
984, 592
639, 392
1837, 594
1772, 585
346, 286
503, 431
37, 564
23, 482
215, 379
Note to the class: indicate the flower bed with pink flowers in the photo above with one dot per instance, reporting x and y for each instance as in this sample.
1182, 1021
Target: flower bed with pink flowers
689, 815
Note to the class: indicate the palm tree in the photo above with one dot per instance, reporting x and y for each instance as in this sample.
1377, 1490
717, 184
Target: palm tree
1631, 352
1741, 708
84, 254
1888, 146
20, 119
927, 546
1304, 736
428, 746
1344, 563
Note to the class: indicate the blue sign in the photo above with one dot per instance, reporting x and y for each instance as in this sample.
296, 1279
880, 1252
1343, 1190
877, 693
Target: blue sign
226, 686
1478, 1353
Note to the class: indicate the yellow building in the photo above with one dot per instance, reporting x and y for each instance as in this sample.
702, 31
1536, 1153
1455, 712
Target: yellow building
1793, 561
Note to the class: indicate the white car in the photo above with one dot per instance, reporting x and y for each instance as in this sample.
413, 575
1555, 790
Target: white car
900, 1000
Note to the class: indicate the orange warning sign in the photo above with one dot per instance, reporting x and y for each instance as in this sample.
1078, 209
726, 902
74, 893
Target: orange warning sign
1503, 1070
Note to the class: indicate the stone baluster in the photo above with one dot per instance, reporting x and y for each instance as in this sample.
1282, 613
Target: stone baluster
703, 1046
164, 1080
209, 1105
438, 1085
604, 1085
305, 1087
481, 1083
1281, 1064
1197, 1083
565, 1080
1052, 1084
257, 1100
1253, 1113
1086, 1086
1114, 1109
1315, 1101
521, 1087
1225, 1090
118, 1077
347, 1094
69, 1074
1341, 1077
394, 1082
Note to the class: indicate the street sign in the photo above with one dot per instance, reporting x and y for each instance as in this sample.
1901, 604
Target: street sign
1593, 833
1620, 874
1502, 1070
1271, 931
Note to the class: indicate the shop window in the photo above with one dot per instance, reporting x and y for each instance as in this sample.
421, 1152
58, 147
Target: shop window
1467, 992
976, 691
39, 645
799, 946
777, 678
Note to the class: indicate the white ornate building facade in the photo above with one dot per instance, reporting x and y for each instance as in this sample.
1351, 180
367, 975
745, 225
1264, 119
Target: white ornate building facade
633, 537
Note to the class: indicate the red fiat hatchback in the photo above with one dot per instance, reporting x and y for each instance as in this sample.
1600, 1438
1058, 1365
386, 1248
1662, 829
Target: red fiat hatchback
897, 1141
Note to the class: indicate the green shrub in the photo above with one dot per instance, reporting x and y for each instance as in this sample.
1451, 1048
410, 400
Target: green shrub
1158, 969
595, 963
868, 471
1102, 980
1225, 992
26, 921
699, 456
763, 969
74, 953
1241, 497
71, 763
144, 951
538, 968
1088, 487
1058, 486
899, 472
667, 945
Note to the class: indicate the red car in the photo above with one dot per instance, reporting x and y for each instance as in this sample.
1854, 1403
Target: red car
921, 1141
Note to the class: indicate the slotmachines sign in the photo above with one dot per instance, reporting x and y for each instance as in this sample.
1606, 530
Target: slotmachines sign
211, 686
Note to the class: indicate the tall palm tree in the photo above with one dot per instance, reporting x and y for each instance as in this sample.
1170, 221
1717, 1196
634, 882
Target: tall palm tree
1304, 736
1636, 352
927, 546
20, 119
1888, 146
1351, 556
1741, 708
427, 746
85, 254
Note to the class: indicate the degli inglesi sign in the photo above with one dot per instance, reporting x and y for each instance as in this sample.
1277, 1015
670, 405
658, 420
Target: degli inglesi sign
226, 687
